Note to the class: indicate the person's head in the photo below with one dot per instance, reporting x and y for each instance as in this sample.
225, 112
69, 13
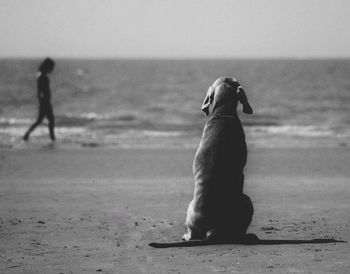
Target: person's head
47, 66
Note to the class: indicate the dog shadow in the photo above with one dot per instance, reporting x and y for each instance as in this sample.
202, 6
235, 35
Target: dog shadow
249, 239
290, 242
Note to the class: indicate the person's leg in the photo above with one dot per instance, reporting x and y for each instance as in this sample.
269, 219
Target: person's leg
50, 116
33, 126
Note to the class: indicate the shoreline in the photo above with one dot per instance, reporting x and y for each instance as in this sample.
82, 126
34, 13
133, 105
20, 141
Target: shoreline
166, 140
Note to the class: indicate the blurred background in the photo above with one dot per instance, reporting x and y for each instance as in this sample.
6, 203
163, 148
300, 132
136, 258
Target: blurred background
134, 73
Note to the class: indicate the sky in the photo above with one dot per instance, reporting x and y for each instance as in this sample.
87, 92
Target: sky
175, 28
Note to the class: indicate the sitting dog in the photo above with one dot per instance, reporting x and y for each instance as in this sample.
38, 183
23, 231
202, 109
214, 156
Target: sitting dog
219, 211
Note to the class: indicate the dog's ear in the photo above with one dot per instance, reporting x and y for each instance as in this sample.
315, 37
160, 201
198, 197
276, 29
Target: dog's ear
208, 100
242, 98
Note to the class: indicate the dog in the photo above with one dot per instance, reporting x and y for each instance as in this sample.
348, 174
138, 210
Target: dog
219, 212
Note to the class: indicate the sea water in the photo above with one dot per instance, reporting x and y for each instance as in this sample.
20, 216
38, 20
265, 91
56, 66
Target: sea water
156, 103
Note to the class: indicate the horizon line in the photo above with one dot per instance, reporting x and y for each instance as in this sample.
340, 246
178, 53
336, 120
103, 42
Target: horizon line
62, 57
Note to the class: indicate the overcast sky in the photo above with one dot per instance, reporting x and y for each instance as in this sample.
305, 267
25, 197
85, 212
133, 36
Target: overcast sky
175, 28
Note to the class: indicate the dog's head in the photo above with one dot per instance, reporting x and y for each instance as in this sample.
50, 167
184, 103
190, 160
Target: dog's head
226, 90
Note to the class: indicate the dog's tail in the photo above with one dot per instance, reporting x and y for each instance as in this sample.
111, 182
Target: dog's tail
246, 239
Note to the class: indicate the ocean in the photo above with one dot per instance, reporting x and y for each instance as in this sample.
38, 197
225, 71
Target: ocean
156, 103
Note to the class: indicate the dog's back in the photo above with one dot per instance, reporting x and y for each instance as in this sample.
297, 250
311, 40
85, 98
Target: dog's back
219, 162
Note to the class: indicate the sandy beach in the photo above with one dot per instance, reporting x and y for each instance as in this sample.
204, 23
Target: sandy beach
95, 210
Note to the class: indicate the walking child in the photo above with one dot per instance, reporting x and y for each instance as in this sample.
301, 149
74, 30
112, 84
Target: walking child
44, 98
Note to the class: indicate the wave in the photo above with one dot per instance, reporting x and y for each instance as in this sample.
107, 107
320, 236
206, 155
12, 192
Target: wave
130, 130
13, 121
294, 130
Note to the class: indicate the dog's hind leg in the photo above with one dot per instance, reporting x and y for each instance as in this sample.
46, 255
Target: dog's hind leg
193, 235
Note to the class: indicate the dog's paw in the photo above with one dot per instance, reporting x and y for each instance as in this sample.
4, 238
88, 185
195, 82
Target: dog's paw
187, 236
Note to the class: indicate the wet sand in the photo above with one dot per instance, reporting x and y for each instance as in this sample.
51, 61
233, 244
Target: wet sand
94, 210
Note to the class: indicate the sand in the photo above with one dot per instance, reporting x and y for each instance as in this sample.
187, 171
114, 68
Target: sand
94, 210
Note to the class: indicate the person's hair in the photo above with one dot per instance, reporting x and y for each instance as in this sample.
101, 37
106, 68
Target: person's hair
47, 65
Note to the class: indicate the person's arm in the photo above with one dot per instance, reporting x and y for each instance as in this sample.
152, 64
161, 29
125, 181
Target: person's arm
43, 87
39, 88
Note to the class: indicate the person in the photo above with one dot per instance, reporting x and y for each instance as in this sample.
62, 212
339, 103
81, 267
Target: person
44, 97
